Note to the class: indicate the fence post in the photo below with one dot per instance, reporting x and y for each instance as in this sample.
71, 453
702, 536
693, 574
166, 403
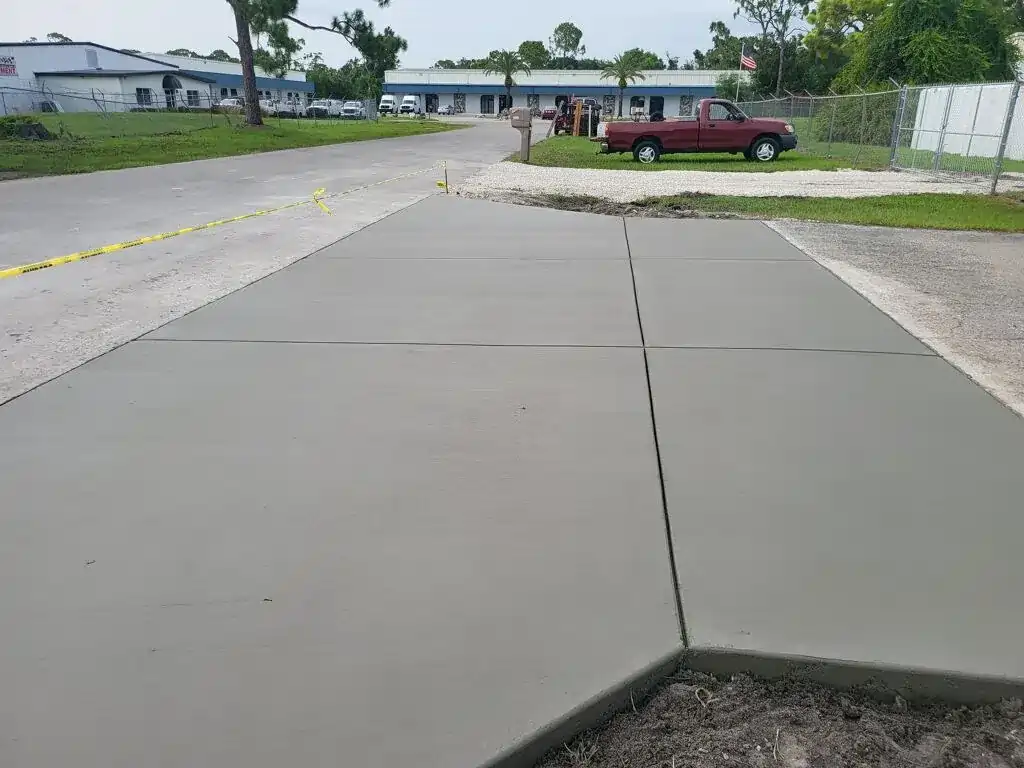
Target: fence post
832, 121
897, 127
937, 160
1011, 110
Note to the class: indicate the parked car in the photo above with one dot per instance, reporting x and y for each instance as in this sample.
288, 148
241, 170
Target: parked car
718, 126
410, 105
291, 109
447, 109
231, 105
387, 104
548, 113
353, 110
268, 107
324, 108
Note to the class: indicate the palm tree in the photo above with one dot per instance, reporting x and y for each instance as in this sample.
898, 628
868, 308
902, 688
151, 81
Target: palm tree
509, 64
623, 70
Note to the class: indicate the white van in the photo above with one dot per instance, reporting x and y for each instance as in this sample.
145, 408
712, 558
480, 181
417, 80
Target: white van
410, 105
387, 105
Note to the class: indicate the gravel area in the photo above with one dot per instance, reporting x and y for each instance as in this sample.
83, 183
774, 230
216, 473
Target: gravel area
630, 186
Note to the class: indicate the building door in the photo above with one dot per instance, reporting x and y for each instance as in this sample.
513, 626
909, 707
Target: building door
430, 104
504, 102
658, 105
487, 104
560, 101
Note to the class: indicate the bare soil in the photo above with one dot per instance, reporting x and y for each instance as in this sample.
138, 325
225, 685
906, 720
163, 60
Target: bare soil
697, 720
587, 204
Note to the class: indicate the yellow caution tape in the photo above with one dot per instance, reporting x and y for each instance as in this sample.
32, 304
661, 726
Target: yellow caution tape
317, 199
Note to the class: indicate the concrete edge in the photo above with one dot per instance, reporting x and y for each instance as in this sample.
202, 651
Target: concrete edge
592, 713
881, 680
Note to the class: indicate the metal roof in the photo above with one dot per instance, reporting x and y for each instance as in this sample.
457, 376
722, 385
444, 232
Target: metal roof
231, 79
203, 78
91, 45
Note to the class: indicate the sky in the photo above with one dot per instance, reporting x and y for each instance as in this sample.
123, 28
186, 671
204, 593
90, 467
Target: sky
435, 29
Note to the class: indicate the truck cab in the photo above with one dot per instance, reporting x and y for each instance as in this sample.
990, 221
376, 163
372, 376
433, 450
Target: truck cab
387, 105
717, 125
410, 105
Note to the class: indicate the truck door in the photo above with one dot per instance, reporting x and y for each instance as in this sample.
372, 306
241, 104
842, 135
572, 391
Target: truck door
679, 135
721, 128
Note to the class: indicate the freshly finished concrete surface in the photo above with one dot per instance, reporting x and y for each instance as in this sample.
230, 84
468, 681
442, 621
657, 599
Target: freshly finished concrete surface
256, 555
477, 229
706, 239
431, 301
58, 318
749, 303
961, 292
862, 507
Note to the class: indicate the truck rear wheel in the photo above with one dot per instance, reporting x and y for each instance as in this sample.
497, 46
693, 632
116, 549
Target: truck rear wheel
647, 152
765, 150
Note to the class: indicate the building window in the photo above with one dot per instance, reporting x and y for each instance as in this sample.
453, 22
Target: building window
636, 102
685, 106
223, 93
533, 100
144, 97
487, 105
192, 97
234, 92
609, 104
460, 103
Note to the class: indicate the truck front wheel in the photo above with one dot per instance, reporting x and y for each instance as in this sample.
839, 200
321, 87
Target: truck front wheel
765, 150
647, 152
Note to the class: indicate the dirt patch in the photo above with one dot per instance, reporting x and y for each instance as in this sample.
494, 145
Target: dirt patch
586, 204
697, 720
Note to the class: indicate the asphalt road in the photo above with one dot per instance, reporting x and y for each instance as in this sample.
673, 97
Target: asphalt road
58, 318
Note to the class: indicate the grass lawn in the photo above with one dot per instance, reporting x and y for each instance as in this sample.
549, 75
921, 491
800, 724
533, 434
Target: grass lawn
1002, 213
94, 142
572, 152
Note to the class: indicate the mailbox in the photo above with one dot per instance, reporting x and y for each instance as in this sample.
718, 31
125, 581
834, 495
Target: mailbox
521, 117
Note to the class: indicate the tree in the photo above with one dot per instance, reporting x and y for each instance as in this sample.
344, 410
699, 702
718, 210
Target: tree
536, 55
183, 52
776, 18
724, 52
642, 59
836, 23
623, 70
509, 64
671, 62
221, 55
565, 41
270, 18
934, 41
1016, 9
445, 64
57, 37
726, 88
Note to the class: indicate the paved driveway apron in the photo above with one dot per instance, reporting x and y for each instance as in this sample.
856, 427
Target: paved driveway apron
399, 502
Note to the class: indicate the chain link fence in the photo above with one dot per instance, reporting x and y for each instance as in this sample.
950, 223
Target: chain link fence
973, 133
94, 114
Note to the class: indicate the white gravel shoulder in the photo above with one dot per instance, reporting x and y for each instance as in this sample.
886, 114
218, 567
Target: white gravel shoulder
631, 186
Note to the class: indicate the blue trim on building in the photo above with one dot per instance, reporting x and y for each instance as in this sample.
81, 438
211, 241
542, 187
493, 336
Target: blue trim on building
587, 90
222, 79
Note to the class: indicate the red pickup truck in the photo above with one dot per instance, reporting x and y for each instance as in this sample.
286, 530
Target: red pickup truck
717, 126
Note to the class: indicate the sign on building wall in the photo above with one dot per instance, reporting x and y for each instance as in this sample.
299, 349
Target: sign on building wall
8, 66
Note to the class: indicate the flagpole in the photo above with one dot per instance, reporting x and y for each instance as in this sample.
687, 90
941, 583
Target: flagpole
739, 74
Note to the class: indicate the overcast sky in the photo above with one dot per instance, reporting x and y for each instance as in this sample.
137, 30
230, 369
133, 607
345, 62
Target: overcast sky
435, 29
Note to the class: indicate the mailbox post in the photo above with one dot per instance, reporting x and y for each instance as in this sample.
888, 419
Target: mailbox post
522, 121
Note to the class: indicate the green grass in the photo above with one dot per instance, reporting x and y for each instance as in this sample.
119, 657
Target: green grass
1003, 213
93, 142
812, 155
572, 152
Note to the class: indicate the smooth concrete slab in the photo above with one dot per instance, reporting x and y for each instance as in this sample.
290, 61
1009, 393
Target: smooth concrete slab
759, 304
440, 301
707, 239
451, 227
257, 555
847, 506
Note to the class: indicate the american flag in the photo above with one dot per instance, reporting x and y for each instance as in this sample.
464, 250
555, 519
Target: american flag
747, 62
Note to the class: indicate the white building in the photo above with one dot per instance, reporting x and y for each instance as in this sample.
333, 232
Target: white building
87, 77
671, 92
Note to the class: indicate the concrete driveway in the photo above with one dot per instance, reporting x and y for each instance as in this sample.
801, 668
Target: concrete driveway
58, 318
395, 506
